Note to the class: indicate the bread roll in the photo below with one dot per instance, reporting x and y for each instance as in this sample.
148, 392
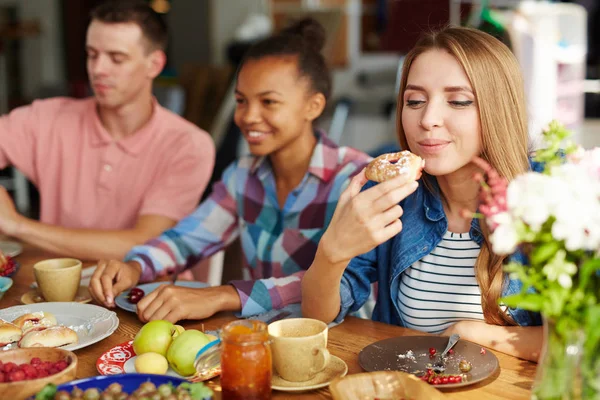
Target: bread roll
9, 333
55, 336
34, 320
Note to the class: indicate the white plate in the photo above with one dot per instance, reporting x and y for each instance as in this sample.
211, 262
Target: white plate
11, 249
91, 323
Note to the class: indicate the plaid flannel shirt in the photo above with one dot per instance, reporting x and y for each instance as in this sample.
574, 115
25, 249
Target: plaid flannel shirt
278, 244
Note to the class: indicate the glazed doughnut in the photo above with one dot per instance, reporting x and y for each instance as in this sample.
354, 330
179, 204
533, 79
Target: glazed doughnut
390, 165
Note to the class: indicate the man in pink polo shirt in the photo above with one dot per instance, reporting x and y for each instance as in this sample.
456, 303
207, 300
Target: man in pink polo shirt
113, 170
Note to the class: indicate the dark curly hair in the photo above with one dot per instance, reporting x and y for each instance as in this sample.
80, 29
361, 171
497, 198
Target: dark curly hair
304, 39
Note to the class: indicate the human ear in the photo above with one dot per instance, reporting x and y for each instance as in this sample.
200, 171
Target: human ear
315, 106
156, 62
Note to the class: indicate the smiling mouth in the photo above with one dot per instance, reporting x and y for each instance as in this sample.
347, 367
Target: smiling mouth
255, 134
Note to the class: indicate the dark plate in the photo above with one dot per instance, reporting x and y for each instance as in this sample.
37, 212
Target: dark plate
394, 355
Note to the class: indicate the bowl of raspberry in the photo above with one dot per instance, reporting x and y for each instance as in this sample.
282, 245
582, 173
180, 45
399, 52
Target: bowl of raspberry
23, 372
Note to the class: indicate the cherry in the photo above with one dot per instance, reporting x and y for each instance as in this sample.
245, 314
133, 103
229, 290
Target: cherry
432, 351
135, 295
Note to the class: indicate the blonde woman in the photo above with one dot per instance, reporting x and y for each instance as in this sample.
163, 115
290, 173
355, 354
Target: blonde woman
461, 96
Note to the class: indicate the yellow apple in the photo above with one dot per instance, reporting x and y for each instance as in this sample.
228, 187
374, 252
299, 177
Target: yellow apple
151, 363
178, 331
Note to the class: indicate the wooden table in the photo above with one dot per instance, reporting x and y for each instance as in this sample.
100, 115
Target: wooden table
513, 380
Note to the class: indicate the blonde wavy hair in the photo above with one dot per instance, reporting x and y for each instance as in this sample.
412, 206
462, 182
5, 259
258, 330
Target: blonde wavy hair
497, 83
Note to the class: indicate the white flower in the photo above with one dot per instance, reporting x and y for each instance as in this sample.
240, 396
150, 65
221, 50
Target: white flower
561, 270
504, 238
530, 198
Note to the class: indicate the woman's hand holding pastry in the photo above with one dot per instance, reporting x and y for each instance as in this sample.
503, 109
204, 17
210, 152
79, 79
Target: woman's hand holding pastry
364, 220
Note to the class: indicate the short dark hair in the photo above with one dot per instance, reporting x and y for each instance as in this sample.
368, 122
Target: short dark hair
304, 39
139, 12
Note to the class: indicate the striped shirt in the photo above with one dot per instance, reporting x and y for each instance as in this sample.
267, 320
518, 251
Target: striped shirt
278, 243
441, 288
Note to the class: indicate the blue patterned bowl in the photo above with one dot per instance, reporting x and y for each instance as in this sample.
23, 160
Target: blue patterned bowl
5, 284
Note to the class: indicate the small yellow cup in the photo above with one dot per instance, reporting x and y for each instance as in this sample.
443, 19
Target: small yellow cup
58, 278
299, 347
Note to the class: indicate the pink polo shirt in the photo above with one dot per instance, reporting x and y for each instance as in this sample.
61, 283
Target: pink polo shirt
87, 179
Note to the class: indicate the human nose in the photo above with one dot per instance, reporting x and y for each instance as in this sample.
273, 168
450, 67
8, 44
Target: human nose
432, 116
98, 66
251, 114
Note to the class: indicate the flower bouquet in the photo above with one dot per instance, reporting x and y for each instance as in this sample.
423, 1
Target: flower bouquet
552, 218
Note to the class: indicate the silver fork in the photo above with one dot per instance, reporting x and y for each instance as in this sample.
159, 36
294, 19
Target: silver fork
439, 364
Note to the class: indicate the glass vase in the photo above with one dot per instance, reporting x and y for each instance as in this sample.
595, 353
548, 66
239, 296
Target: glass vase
559, 373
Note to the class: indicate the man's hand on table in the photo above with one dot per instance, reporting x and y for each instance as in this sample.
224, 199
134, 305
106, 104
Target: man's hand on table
175, 303
9, 217
111, 278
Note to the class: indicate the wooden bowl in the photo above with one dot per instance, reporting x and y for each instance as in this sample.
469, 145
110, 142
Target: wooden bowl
24, 389
383, 385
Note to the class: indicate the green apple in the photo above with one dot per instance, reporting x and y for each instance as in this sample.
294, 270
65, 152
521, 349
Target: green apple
155, 336
183, 350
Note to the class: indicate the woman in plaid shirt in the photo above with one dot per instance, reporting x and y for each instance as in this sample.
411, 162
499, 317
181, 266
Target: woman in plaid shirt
278, 200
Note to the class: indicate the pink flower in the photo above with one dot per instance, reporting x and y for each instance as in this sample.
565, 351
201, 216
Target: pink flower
492, 193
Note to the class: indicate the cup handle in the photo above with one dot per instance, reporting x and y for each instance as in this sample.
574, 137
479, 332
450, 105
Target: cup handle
320, 361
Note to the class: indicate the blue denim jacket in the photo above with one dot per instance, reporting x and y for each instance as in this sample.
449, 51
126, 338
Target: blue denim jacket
424, 224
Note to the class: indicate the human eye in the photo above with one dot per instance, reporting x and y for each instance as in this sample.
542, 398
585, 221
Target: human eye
91, 54
461, 103
118, 59
269, 102
414, 103
240, 100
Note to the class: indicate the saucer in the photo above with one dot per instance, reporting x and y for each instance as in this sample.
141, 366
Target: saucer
35, 296
336, 368
11, 249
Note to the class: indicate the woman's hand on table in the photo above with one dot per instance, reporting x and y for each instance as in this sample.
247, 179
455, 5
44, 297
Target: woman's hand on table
519, 341
111, 278
175, 303
364, 220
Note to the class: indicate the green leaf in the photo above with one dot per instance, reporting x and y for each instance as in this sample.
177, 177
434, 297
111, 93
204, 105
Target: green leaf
545, 252
525, 301
47, 392
558, 298
587, 270
592, 316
